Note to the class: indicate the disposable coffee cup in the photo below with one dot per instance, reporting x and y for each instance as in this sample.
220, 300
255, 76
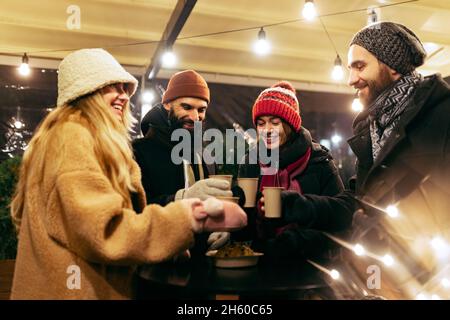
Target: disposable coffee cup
231, 199
250, 188
272, 202
225, 177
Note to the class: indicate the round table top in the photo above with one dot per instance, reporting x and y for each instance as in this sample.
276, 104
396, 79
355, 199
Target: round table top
200, 275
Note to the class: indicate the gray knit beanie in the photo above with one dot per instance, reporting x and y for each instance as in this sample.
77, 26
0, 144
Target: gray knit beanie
393, 44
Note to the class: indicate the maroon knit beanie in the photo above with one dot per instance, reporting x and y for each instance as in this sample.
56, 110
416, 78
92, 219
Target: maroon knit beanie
186, 83
280, 101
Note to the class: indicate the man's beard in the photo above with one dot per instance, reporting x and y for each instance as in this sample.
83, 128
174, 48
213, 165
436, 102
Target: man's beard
176, 123
377, 86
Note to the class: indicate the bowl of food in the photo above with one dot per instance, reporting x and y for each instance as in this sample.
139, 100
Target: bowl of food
235, 255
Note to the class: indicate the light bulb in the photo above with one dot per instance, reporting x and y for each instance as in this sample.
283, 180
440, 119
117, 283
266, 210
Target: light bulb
309, 10
169, 59
148, 96
24, 68
338, 71
262, 45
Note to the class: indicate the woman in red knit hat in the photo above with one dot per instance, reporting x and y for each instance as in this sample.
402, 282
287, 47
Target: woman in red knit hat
304, 168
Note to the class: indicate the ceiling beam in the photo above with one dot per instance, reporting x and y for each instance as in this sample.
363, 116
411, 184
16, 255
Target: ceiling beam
176, 22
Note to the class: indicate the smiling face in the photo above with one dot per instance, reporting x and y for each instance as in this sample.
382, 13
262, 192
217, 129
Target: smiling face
185, 111
116, 97
368, 75
272, 131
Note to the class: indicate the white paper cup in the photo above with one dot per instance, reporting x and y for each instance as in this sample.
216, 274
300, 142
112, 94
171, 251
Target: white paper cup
272, 202
225, 177
250, 188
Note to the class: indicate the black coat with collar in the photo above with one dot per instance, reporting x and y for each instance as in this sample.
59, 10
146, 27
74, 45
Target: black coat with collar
412, 170
161, 178
415, 161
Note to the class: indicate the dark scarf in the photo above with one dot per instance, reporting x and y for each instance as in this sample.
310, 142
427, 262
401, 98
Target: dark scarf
294, 158
385, 111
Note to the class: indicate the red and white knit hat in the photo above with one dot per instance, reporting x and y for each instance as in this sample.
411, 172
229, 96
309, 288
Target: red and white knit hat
280, 101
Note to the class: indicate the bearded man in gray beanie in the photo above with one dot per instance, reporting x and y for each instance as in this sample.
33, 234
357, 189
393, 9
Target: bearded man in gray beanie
402, 144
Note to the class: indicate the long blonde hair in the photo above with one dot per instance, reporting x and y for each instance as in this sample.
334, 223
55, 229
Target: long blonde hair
111, 145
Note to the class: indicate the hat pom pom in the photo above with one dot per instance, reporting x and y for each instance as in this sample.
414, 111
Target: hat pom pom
285, 85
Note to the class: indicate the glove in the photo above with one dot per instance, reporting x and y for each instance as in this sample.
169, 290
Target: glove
217, 240
204, 189
214, 215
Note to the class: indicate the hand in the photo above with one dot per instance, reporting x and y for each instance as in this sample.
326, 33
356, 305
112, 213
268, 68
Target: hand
195, 211
217, 240
214, 215
261, 200
204, 189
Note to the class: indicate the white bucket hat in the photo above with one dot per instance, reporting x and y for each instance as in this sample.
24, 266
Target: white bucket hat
88, 70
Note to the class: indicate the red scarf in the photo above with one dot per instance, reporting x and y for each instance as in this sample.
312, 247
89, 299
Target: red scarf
286, 178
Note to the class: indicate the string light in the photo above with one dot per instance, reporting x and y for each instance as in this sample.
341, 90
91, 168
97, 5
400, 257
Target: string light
309, 10
24, 68
336, 139
169, 59
357, 105
435, 297
338, 71
262, 45
148, 96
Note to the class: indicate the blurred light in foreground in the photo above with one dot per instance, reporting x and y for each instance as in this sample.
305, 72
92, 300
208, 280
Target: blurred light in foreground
359, 250
335, 274
445, 283
388, 260
421, 296
438, 244
392, 211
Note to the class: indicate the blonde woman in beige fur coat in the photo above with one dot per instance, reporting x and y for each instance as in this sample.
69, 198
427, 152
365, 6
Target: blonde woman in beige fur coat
79, 207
